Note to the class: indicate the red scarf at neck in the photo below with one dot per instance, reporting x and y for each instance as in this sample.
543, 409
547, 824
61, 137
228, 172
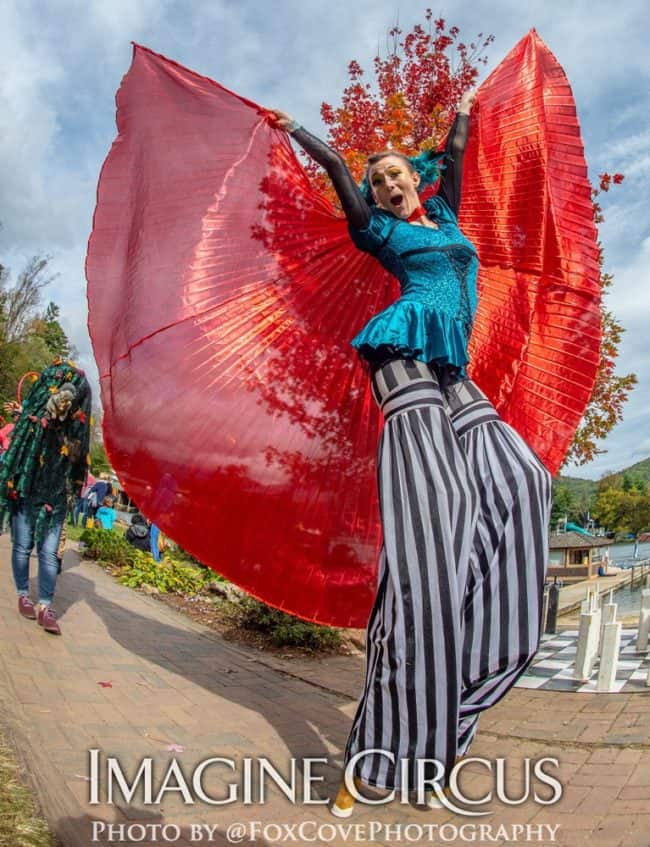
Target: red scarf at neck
416, 214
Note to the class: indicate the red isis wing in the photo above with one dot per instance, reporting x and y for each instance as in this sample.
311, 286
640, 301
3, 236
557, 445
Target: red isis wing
223, 293
527, 208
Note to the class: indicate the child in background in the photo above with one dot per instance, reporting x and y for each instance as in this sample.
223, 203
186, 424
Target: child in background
138, 533
105, 515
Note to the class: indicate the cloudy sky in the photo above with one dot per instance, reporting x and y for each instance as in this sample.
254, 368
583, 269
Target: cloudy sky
62, 60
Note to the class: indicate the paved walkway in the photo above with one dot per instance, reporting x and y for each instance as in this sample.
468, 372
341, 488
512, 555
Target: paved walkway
171, 683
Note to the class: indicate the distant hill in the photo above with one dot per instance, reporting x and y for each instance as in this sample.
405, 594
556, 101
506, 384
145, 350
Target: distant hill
580, 489
640, 470
583, 490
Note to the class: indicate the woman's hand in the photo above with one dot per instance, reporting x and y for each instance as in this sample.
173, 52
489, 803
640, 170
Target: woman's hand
467, 101
283, 120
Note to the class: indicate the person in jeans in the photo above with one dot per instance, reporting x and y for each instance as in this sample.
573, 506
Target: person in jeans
46, 461
96, 495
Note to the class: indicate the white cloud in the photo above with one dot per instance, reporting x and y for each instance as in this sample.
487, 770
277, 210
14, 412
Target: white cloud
28, 124
629, 298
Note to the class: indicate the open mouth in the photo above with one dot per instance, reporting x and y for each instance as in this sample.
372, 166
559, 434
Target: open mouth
397, 200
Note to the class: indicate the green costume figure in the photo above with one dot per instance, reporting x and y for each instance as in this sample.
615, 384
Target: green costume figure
47, 461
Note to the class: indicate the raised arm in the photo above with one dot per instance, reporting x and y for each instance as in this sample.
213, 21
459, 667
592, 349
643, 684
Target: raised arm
354, 204
452, 174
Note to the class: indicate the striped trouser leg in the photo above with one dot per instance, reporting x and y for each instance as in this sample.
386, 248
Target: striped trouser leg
503, 600
409, 707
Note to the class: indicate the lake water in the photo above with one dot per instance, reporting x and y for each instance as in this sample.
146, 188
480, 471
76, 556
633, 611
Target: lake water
628, 600
622, 555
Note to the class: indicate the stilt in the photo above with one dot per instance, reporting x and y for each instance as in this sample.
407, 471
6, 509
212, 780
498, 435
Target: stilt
344, 803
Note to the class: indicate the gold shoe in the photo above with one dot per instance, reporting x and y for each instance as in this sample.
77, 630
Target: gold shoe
344, 803
432, 800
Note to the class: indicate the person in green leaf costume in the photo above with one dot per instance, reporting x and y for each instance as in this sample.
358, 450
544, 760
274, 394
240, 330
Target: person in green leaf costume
47, 461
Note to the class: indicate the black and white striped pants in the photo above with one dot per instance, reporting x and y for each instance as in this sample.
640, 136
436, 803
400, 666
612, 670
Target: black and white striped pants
464, 507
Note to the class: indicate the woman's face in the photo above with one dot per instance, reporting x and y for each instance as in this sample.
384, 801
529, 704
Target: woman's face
394, 186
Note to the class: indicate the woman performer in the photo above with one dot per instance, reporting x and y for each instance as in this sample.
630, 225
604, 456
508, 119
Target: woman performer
464, 502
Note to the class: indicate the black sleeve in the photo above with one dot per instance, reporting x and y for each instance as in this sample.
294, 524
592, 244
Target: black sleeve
354, 204
452, 174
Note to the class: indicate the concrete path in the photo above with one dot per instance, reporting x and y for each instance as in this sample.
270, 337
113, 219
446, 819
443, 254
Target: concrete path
174, 690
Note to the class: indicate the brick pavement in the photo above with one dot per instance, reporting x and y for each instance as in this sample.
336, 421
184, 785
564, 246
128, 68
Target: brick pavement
173, 682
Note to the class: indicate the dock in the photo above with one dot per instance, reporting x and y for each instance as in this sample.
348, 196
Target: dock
571, 596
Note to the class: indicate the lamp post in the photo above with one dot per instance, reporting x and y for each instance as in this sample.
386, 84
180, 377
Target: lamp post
553, 607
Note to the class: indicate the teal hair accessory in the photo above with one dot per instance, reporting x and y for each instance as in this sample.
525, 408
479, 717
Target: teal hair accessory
429, 165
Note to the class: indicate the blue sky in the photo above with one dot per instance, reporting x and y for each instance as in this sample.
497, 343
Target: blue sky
62, 62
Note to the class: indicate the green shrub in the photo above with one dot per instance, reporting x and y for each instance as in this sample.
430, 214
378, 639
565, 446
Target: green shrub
167, 575
283, 629
108, 547
138, 568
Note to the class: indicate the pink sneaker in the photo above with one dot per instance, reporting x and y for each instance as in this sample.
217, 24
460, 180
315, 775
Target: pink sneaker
47, 619
26, 607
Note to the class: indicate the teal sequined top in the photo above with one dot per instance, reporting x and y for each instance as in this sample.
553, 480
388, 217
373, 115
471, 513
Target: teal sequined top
437, 270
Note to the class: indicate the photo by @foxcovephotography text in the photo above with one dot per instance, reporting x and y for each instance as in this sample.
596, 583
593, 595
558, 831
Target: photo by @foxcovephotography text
314, 832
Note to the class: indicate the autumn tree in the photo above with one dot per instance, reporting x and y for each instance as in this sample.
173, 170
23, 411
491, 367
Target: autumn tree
417, 86
28, 340
47, 326
623, 511
611, 391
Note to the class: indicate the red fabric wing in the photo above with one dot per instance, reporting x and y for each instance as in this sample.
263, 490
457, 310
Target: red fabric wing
223, 292
527, 207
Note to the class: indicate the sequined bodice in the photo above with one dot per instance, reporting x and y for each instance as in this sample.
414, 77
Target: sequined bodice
431, 321
436, 268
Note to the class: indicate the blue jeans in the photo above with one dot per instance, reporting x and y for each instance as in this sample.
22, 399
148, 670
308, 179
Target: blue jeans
22, 536
80, 510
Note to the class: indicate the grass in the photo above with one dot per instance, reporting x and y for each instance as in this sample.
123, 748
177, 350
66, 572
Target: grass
73, 533
20, 822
